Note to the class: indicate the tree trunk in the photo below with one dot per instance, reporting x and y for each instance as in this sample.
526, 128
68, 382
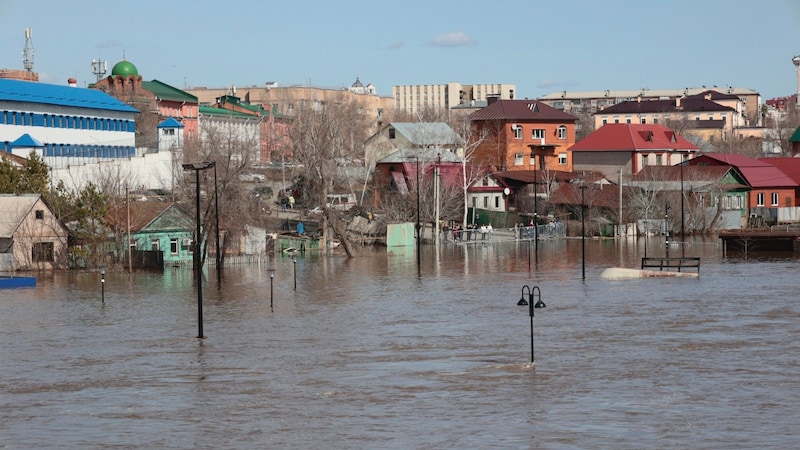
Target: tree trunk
340, 230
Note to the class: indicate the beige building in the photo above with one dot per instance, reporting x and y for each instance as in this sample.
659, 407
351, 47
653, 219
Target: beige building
414, 98
592, 101
287, 100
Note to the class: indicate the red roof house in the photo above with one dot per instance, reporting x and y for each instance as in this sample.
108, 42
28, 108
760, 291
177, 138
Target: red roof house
628, 148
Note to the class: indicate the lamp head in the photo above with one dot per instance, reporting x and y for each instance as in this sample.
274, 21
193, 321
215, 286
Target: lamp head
539, 304
102, 270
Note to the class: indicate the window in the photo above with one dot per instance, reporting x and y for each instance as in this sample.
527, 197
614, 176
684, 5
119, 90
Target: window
519, 159
173, 246
726, 202
155, 244
616, 119
496, 202
760, 199
537, 133
562, 132
517, 131
562, 159
775, 199
39, 214
485, 201
391, 133
42, 252
645, 159
169, 132
659, 160
628, 119
605, 121
643, 120
655, 119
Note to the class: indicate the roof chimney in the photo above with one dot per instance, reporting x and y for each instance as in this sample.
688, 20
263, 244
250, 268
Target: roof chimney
72, 82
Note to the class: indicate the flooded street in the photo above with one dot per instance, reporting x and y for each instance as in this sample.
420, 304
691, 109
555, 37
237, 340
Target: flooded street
364, 354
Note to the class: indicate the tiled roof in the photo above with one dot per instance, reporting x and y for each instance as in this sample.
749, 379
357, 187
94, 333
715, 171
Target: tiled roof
633, 137
687, 105
53, 94
522, 111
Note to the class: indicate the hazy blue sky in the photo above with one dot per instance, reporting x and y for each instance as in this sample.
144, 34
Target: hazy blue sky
541, 46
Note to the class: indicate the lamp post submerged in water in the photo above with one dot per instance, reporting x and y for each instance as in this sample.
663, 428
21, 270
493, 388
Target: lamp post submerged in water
197, 167
534, 300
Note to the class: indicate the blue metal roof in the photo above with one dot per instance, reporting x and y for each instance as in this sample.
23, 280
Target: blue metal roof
26, 140
53, 94
170, 123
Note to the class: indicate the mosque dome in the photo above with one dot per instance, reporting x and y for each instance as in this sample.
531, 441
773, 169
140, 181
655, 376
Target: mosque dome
124, 68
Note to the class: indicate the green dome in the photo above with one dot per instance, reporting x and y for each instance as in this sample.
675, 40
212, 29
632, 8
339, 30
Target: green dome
124, 68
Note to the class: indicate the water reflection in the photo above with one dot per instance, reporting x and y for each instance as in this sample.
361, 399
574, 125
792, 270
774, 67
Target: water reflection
365, 354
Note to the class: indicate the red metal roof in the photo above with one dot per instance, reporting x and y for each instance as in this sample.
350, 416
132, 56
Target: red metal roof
758, 174
522, 111
633, 137
789, 166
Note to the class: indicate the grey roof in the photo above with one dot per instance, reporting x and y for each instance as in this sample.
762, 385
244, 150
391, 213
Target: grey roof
427, 133
405, 155
13, 209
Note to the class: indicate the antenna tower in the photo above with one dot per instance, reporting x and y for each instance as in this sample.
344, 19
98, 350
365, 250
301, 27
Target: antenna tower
99, 68
27, 53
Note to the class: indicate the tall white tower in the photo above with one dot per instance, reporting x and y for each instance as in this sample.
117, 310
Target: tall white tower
796, 61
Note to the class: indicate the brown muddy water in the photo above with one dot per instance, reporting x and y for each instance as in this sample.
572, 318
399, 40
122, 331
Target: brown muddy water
364, 354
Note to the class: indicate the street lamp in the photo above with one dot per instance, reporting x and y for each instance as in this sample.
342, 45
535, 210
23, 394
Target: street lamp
103, 284
271, 278
294, 264
582, 188
533, 294
216, 220
197, 167
419, 225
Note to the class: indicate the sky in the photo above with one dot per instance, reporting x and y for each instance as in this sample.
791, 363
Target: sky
540, 46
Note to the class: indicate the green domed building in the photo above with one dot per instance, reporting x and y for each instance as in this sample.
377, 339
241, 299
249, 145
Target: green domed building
124, 68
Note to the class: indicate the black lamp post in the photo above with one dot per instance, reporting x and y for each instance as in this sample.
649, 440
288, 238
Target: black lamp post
103, 284
294, 264
216, 220
534, 294
419, 225
683, 219
197, 167
582, 187
271, 278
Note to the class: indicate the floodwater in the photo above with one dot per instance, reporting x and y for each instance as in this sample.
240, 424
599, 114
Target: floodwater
364, 354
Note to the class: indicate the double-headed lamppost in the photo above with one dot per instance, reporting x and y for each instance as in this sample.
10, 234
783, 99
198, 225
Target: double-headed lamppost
534, 294
197, 167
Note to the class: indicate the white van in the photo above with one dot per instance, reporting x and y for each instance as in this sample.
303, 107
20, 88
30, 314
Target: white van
341, 201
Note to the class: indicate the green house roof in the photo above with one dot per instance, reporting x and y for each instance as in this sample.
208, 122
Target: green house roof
795, 136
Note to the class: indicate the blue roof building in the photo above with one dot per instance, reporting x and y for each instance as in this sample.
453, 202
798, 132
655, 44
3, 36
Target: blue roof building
66, 125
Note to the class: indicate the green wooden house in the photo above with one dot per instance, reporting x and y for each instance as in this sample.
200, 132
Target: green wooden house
157, 226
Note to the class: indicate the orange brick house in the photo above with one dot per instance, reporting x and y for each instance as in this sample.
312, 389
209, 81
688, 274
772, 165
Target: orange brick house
521, 135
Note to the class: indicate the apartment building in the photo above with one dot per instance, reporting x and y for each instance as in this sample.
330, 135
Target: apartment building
413, 98
593, 101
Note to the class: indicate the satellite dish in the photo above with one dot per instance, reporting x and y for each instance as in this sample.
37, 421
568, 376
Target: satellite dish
506, 191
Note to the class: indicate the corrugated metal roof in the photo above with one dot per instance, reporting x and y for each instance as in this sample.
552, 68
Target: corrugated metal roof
687, 105
522, 111
166, 92
633, 137
758, 174
52, 94
427, 133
